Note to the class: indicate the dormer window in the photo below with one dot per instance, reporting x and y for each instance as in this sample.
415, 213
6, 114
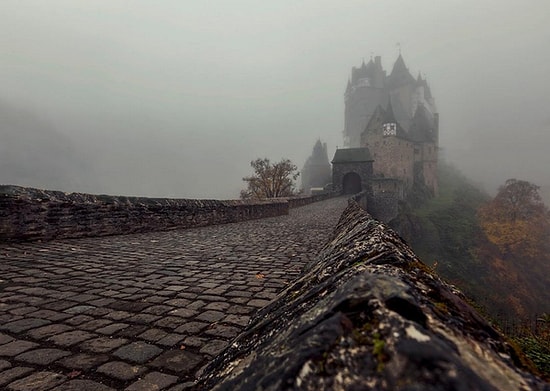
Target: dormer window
389, 129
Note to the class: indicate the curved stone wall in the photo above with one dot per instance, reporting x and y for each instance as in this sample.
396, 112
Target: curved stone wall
32, 214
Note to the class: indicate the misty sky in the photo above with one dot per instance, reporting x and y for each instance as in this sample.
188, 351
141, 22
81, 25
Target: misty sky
174, 97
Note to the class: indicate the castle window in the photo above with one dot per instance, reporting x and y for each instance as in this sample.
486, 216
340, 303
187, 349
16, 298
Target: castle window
416, 151
389, 129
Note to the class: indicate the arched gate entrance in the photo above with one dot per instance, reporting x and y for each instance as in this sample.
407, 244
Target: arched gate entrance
351, 183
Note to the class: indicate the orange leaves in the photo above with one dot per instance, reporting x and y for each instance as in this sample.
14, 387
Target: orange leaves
516, 221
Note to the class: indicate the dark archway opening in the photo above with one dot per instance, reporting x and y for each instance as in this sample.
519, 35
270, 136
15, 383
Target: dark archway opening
351, 184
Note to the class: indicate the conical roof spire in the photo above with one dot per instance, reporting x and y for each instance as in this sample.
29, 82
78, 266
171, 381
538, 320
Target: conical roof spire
400, 73
399, 66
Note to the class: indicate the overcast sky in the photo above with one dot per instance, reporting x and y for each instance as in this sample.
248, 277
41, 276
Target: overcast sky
175, 97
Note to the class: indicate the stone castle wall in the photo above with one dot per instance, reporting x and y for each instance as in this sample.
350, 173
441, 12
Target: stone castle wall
30, 214
384, 206
393, 158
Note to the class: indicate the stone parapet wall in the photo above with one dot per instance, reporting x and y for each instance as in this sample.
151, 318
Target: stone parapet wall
296, 202
367, 314
28, 214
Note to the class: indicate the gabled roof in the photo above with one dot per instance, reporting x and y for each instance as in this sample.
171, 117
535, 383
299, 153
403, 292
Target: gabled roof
378, 112
389, 117
422, 126
352, 155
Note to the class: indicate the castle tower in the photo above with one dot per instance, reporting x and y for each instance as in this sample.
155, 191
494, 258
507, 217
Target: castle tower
317, 170
364, 91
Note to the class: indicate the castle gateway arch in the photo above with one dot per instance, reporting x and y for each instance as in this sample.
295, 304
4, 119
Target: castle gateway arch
351, 170
351, 183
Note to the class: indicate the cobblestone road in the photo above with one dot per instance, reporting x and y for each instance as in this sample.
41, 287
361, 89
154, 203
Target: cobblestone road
146, 311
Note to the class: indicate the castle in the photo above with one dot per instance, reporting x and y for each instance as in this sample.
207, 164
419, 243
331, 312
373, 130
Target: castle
391, 134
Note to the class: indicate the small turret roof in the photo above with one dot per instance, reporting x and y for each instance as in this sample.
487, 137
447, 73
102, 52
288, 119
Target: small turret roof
352, 155
399, 65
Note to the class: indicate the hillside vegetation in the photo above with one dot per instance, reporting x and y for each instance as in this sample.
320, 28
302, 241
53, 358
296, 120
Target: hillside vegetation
497, 257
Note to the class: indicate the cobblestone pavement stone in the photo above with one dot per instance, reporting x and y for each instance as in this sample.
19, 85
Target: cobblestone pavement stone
145, 311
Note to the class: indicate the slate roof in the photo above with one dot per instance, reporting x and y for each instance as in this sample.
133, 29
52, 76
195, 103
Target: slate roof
400, 74
352, 155
422, 126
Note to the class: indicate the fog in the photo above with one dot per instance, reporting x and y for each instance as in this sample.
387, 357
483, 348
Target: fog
175, 98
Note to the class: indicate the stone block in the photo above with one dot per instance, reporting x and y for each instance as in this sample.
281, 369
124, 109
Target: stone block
121, 370
153, 381
83, 385
138, 352
38, 381
178, 361
13, 348
42, 356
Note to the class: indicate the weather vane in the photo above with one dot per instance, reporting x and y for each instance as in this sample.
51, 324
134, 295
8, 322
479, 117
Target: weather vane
399, 47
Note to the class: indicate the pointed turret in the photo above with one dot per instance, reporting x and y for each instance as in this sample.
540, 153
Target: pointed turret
317, 170
348, 87
400, 73
399, 66
371, 67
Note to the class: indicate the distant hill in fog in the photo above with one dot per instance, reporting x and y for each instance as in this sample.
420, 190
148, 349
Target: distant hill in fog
33, 153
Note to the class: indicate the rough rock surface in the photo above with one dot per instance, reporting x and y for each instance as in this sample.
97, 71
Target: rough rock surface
368, 315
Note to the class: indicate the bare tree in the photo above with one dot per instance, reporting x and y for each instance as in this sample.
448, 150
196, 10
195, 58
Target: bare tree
270, 180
